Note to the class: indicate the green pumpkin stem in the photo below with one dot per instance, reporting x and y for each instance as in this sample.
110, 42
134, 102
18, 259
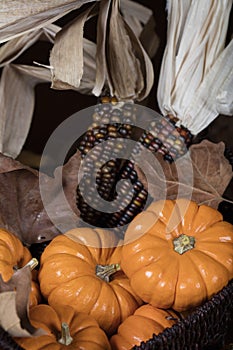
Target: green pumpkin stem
66, 338
183, 244
106, 271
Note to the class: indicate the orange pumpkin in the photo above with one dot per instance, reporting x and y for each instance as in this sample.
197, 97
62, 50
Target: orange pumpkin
35, 295
86, 276
146, 321
64, 329
13, 255
178, 254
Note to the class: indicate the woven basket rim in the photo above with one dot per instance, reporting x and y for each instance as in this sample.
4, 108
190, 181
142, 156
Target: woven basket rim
168, 339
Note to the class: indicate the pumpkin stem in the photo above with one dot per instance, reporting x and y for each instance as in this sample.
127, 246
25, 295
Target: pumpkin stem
32, 263
66, 338
183, 243
105, 271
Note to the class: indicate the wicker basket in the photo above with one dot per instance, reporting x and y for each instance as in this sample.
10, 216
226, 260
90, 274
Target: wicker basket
208, 327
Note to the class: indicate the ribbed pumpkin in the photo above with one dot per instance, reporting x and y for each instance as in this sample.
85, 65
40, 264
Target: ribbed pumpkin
35, 295
146, 321
65, 330
177, 254
13, 255
83, 272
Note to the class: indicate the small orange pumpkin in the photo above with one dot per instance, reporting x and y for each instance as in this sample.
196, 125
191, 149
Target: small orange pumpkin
146, 321
86, 276
178, 254
13, 255
64, 329
35, 295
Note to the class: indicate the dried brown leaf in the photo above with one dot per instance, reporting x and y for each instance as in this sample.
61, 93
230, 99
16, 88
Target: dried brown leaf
18, 17
201, 175
212, 171
22, 209
9, 320
14, 304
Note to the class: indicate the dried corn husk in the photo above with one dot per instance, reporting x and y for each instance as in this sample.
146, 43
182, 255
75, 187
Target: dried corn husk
141, 20
66, 56
76, 63
195, 64
17, 104
122, 64
18, 17
18, 82
15, 47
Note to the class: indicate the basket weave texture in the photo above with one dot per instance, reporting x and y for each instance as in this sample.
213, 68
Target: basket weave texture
208, 327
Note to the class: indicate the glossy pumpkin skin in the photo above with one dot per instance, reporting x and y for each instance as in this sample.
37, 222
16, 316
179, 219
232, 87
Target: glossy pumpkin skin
163, 277
146, 321
14, 255
84, 330
35, 295
68, 276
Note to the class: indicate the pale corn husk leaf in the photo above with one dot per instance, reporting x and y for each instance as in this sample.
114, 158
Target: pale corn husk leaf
101, 63
17, 104
224, 98
67, 54
14, 304
141, 20
202, 175
208, 102
15, 47
189, 57
120, 62
129, 69
88, 71
135, 14
18, 17
89, 67
124, 70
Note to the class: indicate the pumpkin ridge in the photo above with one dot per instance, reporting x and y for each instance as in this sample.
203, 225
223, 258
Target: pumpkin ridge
118, 301
223, 251
197, 269
92, 311
58, 287
199, 274
214, 260
155, 260
158, 321
83, 342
